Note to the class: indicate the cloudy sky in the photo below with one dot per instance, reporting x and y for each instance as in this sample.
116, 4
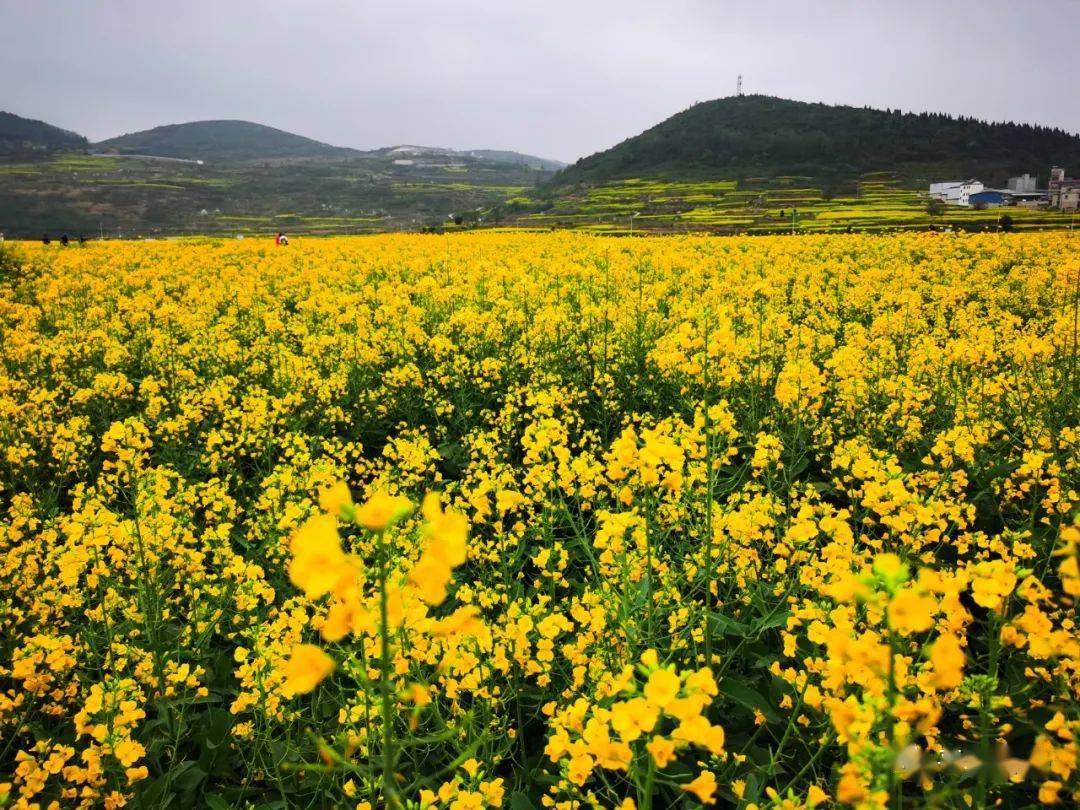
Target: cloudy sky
558, 78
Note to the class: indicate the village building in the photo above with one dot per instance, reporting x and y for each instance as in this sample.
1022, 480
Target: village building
1021, 191
1024, 182
1028, 199
990, 198
1069, 197
955, 192
1064, 191
996, 197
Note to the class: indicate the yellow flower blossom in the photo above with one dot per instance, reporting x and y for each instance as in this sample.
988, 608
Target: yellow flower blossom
947, 660
382, 510
662, 751
911, 612
703, 787
306, 668
336, 500
318, 561
662, 687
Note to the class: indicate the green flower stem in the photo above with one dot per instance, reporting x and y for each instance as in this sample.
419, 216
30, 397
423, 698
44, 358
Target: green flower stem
390, 795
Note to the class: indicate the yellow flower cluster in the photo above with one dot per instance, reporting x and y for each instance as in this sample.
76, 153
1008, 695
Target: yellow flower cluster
319, 566
604, 735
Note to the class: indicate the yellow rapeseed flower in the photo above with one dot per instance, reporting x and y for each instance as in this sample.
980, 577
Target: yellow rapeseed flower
382, 510
911, 612
336, 500
318, 560
662, 687
306, 668
704, 786
947, 659
662, 751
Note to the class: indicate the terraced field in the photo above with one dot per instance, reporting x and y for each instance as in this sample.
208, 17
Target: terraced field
877, 202
82, 194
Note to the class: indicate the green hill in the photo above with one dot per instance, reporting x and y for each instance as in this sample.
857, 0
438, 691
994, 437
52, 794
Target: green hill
219, 141
22, 138
755, 136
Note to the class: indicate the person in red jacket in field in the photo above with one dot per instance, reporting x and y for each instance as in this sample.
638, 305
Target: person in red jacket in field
281, 239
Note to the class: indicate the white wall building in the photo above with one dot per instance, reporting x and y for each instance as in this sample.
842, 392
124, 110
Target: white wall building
1069, 196
955, 192
1024, 182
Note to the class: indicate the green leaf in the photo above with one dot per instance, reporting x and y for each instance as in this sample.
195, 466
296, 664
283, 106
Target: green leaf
776, 620
519, 801
752, 792
726, 626
188, 777
749, 698
215, 730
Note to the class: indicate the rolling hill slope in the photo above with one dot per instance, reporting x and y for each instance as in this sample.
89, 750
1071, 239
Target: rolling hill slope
26, 137
743, 137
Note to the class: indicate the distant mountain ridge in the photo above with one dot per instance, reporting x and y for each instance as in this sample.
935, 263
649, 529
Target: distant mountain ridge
739, 137
516, 158
500, 156
239, 141
26, 137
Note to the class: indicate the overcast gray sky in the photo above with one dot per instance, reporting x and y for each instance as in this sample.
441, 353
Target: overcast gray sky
557, 78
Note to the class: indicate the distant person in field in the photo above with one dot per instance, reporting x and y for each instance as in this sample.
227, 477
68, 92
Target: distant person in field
281, 239
45, 239
64, 240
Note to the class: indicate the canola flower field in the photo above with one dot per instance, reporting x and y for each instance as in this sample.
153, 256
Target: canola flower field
880, 202
541, 520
